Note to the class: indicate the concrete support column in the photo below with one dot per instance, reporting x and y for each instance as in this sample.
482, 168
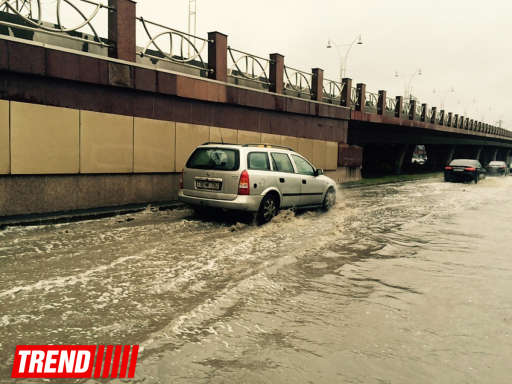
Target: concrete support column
456, 120
400, 158
494, 154
381, 103
361, 97
346, 93
217, 56
441, 117
276, 73
451, 154
433, 117
317, 84
478, 154
507, 157
121, 29
399, 106
423, 112
412, 110
450, 118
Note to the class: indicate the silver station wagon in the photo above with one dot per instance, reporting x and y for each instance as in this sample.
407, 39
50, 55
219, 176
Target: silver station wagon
258, 178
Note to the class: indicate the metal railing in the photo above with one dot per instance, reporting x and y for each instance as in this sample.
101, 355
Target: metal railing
243, 65
183, 48
353, 97
372, 99
298, 81
28, 16
332, 91
390, 105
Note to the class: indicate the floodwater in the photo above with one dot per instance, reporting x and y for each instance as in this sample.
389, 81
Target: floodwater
399, 283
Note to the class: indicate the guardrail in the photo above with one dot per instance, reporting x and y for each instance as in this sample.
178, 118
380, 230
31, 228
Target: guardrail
332, 91
185, 49
29, 17
297, 81
246, 66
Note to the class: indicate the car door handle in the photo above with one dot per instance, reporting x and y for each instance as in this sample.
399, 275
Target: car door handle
281, 179
303, 181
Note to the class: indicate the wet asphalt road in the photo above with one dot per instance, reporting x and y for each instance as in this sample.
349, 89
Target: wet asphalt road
399, 283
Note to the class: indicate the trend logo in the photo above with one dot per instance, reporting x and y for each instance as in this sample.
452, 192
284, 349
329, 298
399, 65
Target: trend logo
74, 361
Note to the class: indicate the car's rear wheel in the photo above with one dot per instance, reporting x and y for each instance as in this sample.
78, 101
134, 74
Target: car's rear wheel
329, 199
477, 178
269, 207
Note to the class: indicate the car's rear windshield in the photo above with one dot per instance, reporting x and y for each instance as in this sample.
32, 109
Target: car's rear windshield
464, 163
500, 163
221, 159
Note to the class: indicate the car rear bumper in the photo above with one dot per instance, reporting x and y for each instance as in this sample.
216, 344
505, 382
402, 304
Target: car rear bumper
249, 203
460, 176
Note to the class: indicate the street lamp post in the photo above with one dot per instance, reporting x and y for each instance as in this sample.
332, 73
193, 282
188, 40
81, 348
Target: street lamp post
343, 58
408, 83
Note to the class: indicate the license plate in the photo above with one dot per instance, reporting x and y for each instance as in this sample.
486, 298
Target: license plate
211, 185
458, 170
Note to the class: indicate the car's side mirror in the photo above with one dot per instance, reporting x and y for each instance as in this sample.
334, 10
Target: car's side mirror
319, 172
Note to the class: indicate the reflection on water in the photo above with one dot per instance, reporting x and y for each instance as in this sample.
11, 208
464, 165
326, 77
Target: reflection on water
399, 283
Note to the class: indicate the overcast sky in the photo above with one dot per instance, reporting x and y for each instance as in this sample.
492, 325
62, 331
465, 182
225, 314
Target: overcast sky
464, 45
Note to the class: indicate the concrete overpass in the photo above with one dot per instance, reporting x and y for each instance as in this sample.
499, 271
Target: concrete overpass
89, 121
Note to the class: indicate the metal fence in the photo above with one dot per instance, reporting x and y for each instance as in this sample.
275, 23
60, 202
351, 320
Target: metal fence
248, 67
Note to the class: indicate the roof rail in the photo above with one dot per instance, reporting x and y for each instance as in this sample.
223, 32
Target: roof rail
217, 142
267, 146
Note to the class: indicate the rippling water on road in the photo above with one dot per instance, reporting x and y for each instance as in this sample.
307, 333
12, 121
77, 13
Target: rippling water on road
399, 283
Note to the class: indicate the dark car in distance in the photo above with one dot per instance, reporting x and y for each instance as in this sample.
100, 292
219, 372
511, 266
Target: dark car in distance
497, 168
464, 170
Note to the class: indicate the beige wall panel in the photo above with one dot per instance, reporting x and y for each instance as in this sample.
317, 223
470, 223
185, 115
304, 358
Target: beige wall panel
305, 148
249, 137
269, 138
332, 156
44, 139
5, 156
154, 145
291, 142
225, 135
320, 153
188, 137
106, 143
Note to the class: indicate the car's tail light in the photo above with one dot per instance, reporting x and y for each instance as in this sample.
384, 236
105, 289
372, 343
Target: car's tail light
180, 179
448, 168
243, 185
470, 169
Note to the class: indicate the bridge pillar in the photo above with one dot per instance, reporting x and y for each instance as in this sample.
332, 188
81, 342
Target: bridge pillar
403, 154
412, 110
423, 116
441, 117
217, 56
276, 72
494, 154
507, 157
346, 92
121, 29
439, 156
361, 96
433, 116
478, 155
450, 118
451, 154
399, 106
317, 84
381, 103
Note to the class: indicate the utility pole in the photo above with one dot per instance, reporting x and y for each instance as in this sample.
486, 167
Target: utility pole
192, 27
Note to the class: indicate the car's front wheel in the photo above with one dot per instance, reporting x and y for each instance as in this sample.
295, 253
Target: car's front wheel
329, 199
269, 207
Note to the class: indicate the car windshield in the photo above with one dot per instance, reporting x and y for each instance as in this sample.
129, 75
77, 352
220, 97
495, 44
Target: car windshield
222, 159
464, 163
497, 164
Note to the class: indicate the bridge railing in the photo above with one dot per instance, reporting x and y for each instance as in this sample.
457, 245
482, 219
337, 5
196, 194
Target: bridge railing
85, 22
297, 82
332, 91
248, 69
372, 100
164, 44
390, 106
